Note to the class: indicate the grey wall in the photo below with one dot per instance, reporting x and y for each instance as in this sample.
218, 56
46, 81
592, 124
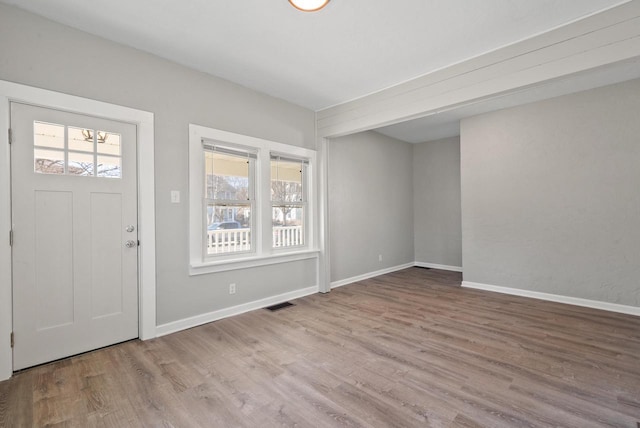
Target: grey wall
40, 53
436, 202
370, 204
551, 196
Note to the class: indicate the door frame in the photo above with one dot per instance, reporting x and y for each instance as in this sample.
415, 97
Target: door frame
13, 92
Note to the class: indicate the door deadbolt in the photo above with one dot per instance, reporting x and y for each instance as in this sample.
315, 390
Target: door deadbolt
130, 228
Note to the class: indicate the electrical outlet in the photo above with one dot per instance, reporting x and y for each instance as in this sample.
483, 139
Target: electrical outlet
379, 257
175, 196
232, 289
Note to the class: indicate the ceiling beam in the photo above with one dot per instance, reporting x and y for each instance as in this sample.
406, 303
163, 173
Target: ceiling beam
600, 39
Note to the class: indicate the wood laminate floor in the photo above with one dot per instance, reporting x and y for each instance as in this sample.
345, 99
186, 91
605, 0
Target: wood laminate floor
405, 349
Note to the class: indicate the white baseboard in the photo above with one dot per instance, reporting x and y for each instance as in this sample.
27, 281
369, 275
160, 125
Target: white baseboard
368, 275
437, 266
197, 320
612, 307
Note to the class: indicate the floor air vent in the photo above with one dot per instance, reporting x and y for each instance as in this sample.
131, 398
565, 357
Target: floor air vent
423, 267
279, 306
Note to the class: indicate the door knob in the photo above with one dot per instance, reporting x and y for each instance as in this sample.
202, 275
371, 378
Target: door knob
130, 244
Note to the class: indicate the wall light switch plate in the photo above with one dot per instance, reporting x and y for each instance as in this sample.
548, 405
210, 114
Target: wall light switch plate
175, 196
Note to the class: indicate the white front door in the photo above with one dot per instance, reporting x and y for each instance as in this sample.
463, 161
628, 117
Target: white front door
74, 215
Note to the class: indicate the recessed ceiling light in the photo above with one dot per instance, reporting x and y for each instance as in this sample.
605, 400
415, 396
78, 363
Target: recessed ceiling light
309, 5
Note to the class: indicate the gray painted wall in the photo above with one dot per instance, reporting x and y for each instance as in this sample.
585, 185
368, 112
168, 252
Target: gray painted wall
436, 202
370, 204
41, 53
551, 196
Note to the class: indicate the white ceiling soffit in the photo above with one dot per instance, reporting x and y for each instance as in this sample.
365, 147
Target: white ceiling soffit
447, 123
349, 49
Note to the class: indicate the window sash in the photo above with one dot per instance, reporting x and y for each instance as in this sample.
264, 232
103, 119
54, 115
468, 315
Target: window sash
228, 234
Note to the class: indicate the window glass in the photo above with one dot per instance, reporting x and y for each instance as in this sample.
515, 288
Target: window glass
109, 166
80, 139
288, 225
287, 202
228, 236
48, 135
48, 161
80, 164
229, 195
108, 143
227, 176
286, 180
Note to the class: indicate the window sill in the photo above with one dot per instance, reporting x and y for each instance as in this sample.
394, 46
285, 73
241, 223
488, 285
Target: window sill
250, 262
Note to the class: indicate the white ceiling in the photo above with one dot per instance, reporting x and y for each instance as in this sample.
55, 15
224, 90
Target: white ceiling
316, 60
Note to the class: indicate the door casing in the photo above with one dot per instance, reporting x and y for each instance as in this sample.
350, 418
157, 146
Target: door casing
146, 201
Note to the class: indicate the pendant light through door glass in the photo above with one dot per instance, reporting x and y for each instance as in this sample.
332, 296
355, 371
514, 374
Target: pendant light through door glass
309, 5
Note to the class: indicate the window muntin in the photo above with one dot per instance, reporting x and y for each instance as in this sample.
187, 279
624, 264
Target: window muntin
288, 201
67, 150
229, 200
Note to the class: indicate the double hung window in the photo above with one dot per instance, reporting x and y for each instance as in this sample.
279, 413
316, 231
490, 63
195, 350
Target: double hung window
251, 201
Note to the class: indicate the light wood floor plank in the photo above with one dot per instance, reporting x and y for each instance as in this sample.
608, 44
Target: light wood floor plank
411, 348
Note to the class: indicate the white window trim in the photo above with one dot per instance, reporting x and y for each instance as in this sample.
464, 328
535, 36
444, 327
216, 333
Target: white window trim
144, 121
264, 253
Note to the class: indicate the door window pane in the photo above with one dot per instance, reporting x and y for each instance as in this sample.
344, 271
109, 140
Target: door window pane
108, 143
80, 139
80, 164
109, 166
48, 135
48, 161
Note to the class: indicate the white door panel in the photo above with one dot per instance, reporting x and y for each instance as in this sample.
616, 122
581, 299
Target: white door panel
75, 283
53, 294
